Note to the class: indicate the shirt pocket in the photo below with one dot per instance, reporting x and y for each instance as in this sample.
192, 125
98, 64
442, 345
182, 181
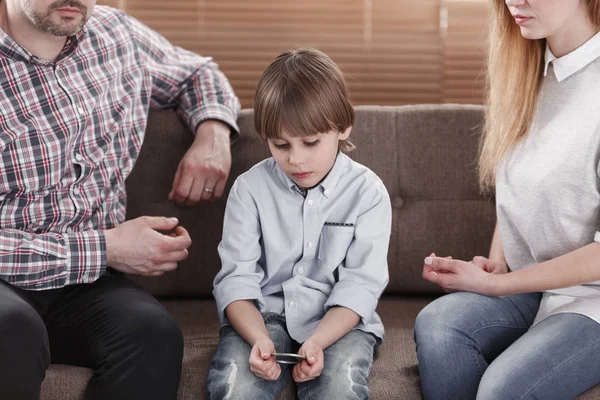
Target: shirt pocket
334, 243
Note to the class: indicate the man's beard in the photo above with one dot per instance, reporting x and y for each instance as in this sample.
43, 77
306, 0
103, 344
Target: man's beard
66, 27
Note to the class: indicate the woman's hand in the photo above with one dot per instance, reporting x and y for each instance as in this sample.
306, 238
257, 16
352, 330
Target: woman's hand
456, 275
493, 267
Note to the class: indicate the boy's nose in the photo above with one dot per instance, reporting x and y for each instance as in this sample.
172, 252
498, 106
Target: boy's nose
515, 3
296, 158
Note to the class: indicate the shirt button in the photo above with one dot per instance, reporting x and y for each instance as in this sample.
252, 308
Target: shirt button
300, 270
69, 230
78, 157
309, 245
310, 202
80, 110
76, 191
292, 304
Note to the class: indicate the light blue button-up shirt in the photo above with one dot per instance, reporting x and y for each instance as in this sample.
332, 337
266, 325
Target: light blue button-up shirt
300, 255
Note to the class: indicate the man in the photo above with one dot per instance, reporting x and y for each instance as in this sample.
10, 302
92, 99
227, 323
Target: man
75, 87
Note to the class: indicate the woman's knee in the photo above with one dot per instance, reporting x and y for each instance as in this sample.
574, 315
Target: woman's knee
499, 382
440, 318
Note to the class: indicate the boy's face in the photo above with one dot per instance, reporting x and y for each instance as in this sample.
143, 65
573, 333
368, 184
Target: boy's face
307, 159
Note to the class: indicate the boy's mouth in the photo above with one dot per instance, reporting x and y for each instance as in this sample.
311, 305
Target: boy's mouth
301, 175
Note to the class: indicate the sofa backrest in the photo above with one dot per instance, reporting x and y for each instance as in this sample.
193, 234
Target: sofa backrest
425, 155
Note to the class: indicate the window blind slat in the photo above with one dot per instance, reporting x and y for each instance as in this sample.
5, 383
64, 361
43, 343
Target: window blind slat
464, 51
392, 51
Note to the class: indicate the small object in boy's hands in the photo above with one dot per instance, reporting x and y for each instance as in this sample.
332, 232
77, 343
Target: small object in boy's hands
288, 358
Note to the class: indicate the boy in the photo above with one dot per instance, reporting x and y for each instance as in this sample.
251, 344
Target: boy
304, 249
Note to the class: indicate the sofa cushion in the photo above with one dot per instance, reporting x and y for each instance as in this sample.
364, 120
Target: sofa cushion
395, 374
395, 362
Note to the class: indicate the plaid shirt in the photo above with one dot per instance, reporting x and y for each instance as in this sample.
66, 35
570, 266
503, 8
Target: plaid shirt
71, 131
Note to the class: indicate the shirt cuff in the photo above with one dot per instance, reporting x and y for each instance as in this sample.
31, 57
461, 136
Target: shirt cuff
354, 297
217, 112
235, 289
86, 256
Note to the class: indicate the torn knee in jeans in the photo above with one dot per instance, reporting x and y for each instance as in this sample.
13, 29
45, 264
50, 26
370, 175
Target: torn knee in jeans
356, 378
349, 376
231, 379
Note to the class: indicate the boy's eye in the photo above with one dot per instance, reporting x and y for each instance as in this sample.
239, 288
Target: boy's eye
311, 144
281, 146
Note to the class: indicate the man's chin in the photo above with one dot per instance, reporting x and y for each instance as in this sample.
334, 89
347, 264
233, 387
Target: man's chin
69, 29
61, 25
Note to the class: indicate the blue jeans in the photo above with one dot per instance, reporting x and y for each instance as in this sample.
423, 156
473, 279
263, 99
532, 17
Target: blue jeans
347, 367
476, 347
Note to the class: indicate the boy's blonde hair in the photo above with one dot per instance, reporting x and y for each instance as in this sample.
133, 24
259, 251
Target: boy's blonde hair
302, 92
515, 68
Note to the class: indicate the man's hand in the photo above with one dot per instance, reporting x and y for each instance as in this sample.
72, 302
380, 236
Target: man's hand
262, 362
135, 246
203, 170
310, 368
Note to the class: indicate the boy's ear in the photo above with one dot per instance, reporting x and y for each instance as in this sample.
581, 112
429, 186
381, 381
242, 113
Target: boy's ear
344, 135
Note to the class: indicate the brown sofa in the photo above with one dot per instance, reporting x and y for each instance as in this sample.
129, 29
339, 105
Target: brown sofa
425, 155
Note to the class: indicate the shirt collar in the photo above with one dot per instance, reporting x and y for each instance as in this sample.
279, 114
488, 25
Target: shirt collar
12, 49
575, 61
328, 184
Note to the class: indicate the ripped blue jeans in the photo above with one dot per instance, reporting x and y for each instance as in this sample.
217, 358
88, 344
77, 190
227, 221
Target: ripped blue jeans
347, 367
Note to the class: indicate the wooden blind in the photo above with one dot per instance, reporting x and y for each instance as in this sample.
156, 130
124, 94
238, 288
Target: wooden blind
463, 30
392, 51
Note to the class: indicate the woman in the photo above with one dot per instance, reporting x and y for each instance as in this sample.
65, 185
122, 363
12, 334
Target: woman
524, 323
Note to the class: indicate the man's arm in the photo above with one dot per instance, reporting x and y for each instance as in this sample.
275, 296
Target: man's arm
204, 100
51, 260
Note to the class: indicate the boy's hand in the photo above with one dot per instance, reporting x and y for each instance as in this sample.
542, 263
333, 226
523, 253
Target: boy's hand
310, 368
262, 362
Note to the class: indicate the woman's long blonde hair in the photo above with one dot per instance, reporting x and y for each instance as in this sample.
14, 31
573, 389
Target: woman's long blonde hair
514, 72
